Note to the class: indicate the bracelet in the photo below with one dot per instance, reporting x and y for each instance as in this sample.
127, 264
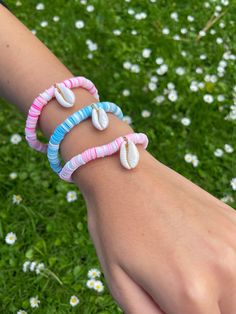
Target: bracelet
99, 119
129, 154
64, 96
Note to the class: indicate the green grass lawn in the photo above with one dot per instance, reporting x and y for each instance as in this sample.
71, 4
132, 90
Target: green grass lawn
173, 83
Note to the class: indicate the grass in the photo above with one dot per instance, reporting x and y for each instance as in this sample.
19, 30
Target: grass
53, 231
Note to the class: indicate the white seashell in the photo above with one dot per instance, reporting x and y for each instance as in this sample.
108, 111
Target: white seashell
129, 154
99, 118
64, 95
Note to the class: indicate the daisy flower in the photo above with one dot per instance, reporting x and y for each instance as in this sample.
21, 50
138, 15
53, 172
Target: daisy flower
98, 286
71, 196
15, 138
34, 301
39, 268
21, 312
233, 184
94, 272
25, 267
90, 283
13, 175
16, 199
74, 300
10, 238
79, 24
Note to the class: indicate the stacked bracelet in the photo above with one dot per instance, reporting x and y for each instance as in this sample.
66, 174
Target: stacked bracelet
129, 155
65, 97
99, 120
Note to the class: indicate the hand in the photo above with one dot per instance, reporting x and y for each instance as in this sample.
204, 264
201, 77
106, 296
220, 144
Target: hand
165, 245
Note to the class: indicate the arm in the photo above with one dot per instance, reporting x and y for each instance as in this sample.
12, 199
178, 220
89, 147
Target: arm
25, 73
159, 237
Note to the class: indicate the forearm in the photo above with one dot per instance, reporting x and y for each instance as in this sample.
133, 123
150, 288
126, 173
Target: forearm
28, 67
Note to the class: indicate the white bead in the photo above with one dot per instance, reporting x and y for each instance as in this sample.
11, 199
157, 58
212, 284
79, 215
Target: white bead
129, 154
64, 95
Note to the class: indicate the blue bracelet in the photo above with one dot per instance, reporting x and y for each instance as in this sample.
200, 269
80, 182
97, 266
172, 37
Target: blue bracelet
73, 120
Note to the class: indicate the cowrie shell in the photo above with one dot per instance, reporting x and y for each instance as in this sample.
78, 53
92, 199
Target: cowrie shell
99, 118
64, 95
129, 154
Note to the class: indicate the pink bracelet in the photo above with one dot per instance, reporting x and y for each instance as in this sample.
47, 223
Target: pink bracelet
64, 95
129, 154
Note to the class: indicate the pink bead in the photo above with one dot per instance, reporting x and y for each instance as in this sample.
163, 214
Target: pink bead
100, 152
43, 99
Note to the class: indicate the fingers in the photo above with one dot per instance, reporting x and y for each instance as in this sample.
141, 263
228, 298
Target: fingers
130, 296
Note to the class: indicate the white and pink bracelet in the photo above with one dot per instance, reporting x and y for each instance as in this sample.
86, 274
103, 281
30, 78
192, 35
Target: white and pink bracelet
65, 97
129, 154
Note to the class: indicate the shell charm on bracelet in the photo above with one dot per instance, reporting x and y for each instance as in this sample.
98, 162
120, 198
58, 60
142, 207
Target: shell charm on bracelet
129, 154
99, 118
64, 95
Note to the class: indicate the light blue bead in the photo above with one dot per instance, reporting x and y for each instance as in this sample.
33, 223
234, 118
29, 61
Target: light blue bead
66, 126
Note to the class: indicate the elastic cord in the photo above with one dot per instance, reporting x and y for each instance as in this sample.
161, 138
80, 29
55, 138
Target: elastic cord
99, 152
42, 100
73, 120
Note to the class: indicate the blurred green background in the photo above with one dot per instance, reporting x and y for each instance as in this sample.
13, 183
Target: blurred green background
170, 66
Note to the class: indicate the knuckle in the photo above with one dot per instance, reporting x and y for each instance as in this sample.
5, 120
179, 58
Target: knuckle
194, 292
226, 260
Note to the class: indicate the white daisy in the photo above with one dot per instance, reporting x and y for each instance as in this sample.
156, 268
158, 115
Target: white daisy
32, 266
165, 31
39, 268
208, 98
21, 312
185, 121
180, 71
79, 24
13, 175
159, 60
146, 52
159, 99
126, 92
71, 196
228, 148
152, 86
195, 161
94, 272
90, 283
173, 96
40, 6
116, 32
56, 18
25, 267
16, 199
15, 138
10, 238
98, 286
233, 184
34, 302
188, 158
44, 23
90, 8
74, 300
127, 65
135, 68
218, 152
145, 113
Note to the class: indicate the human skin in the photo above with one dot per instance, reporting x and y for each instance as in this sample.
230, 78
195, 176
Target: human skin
165, 245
